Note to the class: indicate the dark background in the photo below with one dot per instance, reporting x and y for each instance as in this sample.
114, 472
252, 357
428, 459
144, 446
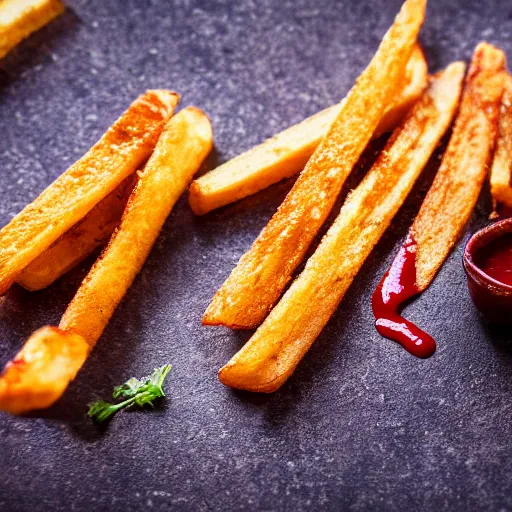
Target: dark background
362, 425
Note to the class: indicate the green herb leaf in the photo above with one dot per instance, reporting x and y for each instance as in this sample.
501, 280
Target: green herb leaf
138, 392
135, 386
158, 376
128, 389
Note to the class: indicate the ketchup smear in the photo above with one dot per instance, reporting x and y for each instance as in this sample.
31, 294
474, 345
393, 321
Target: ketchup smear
396, 287
496, 259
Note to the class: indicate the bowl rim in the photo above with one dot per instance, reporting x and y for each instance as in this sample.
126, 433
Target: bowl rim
479, 240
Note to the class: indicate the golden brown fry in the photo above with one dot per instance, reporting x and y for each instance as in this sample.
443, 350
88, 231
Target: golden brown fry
69, 198
41, 371
272, 354
453, 195
286, 153
258, 280
93, 231
183, 145
20, 18
501, 171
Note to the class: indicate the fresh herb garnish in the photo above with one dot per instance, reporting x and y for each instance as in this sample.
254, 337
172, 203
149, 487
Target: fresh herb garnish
134, 391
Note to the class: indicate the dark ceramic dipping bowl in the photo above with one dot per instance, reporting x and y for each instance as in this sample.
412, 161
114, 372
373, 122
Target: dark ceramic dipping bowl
493, 298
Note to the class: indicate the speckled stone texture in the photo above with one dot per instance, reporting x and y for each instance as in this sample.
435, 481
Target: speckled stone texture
362, 425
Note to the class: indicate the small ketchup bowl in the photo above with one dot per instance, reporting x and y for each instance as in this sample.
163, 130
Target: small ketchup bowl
488, 265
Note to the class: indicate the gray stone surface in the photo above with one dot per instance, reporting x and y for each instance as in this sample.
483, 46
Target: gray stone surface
362, 425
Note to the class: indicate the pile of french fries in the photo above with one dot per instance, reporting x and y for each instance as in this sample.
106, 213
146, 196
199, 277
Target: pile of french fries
255, 295
123, 189
120, 192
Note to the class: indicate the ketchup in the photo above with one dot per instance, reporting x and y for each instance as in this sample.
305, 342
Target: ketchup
495, 259
396, 287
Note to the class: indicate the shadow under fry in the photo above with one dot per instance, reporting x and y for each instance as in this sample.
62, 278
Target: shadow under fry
501, 338
74, 413
26, 311
278, 406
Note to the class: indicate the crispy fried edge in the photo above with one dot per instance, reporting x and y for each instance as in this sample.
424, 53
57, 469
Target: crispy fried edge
501, 170
262, 273
458, 182
19, 19
286, 153
272, 354
93, 231
70, 197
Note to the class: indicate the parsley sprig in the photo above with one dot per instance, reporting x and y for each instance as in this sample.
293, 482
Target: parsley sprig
134, 392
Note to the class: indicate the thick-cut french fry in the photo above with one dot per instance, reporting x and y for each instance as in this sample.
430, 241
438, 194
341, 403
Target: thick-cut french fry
272, 354
262, 273
20, 18
93, 231
456, 187
69, 198
286, 153
182, 147
501, 171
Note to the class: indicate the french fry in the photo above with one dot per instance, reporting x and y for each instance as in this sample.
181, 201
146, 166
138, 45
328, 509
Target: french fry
272, 354
69, 198
183, 146
185, 142
262, 273
93, 231
456, 187
286, 153
501, 170
20, 18
40, 372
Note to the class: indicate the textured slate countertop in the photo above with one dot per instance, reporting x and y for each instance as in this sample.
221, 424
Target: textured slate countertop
362, 425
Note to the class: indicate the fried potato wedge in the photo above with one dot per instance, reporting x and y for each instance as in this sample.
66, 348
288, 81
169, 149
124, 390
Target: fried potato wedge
272, 354
182, 147
456, 187
286, 153
501, 170
262, 273
20, 18
93, 231
41, 371
68, 199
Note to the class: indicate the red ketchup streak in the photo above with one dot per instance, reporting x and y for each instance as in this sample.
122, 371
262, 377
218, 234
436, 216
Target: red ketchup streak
396, 287
496, 260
